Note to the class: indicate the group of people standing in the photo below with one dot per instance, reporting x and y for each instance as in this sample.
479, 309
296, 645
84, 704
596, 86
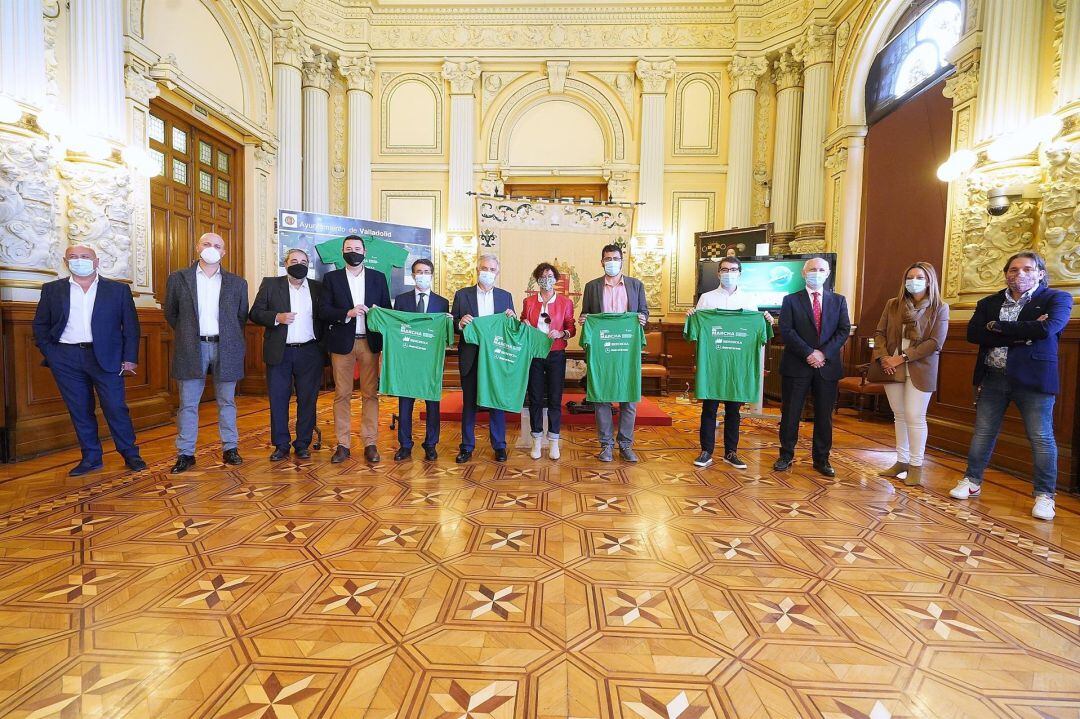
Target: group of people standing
88, 331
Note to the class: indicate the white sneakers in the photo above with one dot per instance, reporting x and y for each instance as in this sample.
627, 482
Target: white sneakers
537, 448
965, 489
553, 448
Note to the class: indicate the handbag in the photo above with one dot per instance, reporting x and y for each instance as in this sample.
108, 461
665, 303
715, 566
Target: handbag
876, 373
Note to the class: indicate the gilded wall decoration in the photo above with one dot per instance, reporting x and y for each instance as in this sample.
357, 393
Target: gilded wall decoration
964, 84
1060, 236
760, 193
28, 201
690, 212
460, 268
338, 153
649, 268
99, 213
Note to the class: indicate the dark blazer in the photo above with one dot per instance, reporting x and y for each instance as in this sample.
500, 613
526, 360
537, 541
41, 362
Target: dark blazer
465, 304
1033, 346
801, 337
272, 298
182, 313
113, 323
592, 300
336, 301
406, 302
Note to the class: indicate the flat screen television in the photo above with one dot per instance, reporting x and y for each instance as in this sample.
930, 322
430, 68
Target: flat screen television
767, 278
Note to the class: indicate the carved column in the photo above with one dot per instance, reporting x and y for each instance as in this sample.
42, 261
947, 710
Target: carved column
787, 74
140, 90
744, 73
97, 68
266, 249
22, 51
462, 76
316, 98
654, 76
814, 50
358, 72
1009, 66
962, 89
288, 117
1069, 81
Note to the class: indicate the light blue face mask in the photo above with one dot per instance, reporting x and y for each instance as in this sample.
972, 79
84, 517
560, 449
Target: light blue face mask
612, 267
915, 287
487, 279
815, 279
729, 281
81, 267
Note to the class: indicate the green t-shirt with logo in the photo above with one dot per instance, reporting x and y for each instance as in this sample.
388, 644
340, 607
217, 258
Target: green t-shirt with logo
729, 346
506, 347
613, 342
379, 255
414, 347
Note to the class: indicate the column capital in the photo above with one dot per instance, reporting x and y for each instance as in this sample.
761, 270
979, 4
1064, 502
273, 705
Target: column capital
265, 157
358, 71
654, 74
816, 45
288, 45
139, 86
316, 68
787, 71
462, 75
744, 72
964, 84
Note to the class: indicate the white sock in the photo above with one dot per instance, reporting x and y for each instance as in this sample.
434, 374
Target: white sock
536, 450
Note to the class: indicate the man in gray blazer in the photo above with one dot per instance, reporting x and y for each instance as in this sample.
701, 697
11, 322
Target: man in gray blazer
615, 293
207, 308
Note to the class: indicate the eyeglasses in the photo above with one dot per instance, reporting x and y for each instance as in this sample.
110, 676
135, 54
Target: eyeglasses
728, 271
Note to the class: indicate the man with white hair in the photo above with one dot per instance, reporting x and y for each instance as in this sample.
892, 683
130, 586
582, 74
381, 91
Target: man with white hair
480, 300
86, 327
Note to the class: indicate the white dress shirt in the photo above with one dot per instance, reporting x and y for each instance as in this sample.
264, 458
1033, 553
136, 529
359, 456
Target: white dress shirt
208, 290
718, 299
545, 308
81, 310
356, 289
485, 301
302, 328
427, 300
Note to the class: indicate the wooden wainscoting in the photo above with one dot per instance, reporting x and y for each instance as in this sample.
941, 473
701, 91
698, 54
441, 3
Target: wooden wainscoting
254, 381
36, 417
951, 416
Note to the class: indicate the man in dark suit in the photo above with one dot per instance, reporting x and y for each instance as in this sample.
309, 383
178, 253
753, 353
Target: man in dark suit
1017, 331
207, 309
814, 324
480, 300
285, 307
614, 292
346, 296
419, 299
88, 332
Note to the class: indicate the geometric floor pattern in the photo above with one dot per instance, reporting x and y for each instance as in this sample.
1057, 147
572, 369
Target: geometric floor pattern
532, 589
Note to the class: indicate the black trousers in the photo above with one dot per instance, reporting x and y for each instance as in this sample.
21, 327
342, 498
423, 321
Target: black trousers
300, 368
546, 378
793, 396
707, 431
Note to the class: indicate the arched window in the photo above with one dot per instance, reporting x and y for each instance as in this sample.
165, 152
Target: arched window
914, 57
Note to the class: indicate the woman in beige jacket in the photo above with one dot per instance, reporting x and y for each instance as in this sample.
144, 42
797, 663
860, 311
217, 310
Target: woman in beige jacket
910, 335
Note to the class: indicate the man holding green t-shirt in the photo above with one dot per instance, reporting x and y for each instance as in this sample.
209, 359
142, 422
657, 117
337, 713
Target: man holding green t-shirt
614, 292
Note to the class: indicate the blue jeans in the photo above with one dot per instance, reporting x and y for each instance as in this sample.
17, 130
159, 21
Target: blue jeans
1037, 410
187, 415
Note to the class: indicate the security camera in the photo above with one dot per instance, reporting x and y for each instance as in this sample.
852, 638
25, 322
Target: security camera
999, 199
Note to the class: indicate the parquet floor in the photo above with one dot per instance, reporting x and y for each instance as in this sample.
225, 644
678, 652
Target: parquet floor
532, 589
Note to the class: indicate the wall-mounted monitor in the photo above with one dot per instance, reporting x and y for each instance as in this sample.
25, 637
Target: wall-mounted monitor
767, 278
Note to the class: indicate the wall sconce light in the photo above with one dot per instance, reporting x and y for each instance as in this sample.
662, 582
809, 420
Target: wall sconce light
957, 165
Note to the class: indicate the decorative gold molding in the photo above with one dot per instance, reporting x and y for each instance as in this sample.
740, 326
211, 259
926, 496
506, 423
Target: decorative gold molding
682, 82
674, 304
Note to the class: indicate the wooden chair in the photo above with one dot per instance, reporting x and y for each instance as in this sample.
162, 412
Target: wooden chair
859, 387
654, 361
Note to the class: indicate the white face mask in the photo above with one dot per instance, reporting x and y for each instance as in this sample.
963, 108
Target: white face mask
547, 284
210, 255
916, 286
815, 279
487, 278
612, 267
423, 282
81, 267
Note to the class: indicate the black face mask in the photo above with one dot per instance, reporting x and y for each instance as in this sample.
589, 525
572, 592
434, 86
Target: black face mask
353, 259
297, 271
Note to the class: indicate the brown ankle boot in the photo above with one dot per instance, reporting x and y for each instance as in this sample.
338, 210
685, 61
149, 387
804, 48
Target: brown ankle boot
896, 470
914, 477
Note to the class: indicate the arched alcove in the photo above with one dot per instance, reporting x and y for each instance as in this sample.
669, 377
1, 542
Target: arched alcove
556, 133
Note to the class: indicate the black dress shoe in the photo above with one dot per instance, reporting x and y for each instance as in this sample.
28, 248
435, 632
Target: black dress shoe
231, 456
825, 468
500, 455
85, 468
402, 454
340, 454
304, 453
279, 454
430, 454
135, 464
184, 462
371, 454
463, 456
782, 464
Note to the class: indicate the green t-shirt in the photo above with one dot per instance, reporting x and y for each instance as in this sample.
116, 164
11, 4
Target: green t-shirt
613, 342
414, 347
506, 347
729, 346
379, 255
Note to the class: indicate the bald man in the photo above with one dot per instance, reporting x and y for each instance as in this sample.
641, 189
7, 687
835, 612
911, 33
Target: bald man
86, 328
207, 308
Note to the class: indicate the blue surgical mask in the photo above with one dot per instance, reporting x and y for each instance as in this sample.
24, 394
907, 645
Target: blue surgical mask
423, 282
729, 281
612, 267
487, 279
916, 286
81, 267
815, 279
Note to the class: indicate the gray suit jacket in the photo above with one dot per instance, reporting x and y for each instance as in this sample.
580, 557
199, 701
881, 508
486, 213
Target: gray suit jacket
182, 314
592, 300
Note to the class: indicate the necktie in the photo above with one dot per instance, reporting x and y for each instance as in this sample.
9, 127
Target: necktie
817, 311
423, 302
